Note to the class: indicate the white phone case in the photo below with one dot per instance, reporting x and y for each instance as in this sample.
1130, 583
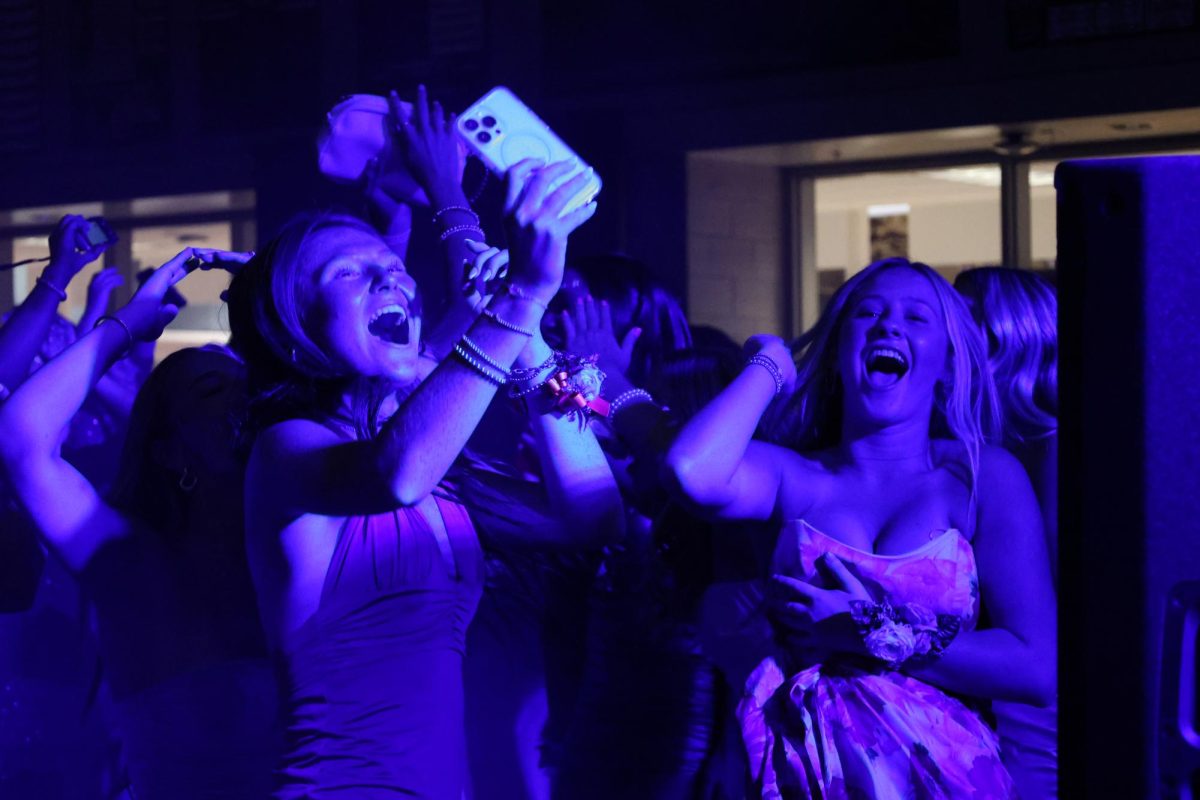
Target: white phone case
502, 130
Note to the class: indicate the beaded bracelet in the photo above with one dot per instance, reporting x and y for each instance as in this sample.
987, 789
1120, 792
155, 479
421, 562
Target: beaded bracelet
497, 377
770, 366
62, 295
517, 293
446, 234
626, 398
503, 323
482, 356
119, 321
466, 210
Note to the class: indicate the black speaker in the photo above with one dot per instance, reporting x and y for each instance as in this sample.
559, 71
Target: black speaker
1129, 384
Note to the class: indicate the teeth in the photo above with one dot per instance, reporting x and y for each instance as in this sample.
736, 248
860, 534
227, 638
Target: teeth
887, 351
394, 308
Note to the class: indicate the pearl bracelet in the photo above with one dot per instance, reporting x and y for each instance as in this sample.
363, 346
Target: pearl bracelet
494, 374
446, 234
626, 398
770, 366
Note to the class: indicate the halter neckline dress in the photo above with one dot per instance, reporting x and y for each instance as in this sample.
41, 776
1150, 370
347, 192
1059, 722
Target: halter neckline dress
373, 680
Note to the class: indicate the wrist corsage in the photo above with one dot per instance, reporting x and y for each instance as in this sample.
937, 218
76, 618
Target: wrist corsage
570, 385
907, 634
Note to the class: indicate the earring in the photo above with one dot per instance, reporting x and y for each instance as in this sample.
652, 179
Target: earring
187, 481
293, 355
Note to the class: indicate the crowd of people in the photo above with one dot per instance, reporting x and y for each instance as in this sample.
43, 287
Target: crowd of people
545, 541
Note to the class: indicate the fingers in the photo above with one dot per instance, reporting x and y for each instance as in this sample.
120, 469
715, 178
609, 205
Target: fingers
421, 108
792, 588
477, 247
516, 180
837, 568
577, 217
605, 315
169, 273
533, 200
562, 195
570, 329
591, 312
629, 343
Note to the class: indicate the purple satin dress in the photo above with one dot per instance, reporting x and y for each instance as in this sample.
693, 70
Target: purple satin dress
373, 680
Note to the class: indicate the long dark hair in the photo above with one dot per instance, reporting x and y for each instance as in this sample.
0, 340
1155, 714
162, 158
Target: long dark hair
143, 488
290, 375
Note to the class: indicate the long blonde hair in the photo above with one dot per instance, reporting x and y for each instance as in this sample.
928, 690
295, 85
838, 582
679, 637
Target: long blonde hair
965, 405
1018, 312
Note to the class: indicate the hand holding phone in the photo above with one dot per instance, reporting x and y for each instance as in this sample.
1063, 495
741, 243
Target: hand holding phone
502, 131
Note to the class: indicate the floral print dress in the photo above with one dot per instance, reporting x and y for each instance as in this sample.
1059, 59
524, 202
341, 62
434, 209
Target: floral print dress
847, 730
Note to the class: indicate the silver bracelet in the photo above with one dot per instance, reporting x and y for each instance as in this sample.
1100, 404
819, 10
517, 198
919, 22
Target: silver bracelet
119, 321
770, 366
525, 382
626, 398
62, 295
517, 293
496, 377
503, 323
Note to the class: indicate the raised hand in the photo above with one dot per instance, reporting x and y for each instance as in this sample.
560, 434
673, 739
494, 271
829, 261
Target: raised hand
148, 312
817, 617
537, 235
777, 350
70, 250
588, 329
100, 290
429, 145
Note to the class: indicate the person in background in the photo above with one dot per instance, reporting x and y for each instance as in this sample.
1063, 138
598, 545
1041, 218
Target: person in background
1018, 312
161, 557
53, 741
897, 521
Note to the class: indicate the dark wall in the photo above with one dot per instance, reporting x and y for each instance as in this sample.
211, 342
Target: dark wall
122, 98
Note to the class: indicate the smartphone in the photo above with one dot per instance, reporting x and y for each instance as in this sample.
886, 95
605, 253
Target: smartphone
99, 232
501, 130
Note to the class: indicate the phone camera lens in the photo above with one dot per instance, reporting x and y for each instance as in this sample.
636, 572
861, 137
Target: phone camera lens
470, 124
489, 122
483, 136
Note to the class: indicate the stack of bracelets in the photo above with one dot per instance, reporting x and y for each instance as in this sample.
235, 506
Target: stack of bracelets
904, 635
569, 384
451, 230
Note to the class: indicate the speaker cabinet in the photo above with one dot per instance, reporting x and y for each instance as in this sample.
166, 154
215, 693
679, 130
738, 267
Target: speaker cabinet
1129, 383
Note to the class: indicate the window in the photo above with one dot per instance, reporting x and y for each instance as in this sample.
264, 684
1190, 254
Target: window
151, 230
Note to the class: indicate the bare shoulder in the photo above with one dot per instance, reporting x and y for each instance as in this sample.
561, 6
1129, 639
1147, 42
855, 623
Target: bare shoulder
1000, 470
805, 478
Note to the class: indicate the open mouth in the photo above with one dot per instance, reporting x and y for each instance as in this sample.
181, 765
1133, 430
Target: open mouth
885, 366
390, 324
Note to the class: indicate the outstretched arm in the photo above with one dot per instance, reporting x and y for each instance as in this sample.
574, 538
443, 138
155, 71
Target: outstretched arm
713, 464
29, 324
65, 508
